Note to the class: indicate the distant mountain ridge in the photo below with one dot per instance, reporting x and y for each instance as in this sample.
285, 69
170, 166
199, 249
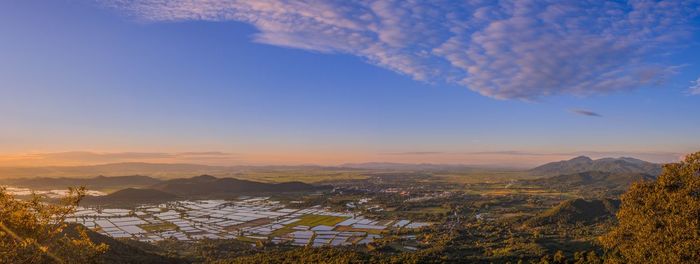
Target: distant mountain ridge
114, 169
158, 170
130, 197
135, 190
584, 164
99, 182
210, 185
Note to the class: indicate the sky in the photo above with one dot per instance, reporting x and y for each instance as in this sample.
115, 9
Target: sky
512, 83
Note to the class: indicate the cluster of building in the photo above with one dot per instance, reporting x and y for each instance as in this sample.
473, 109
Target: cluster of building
249, 219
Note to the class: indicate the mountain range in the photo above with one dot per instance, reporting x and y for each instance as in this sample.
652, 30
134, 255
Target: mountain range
136, 190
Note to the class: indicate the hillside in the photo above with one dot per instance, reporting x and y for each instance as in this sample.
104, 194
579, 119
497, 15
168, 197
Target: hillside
96, 183
130, 197
583, 164
591, 180
575, 211
127, 251
206, 185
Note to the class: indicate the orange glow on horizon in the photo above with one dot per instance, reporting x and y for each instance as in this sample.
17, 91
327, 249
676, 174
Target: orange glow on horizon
500, 159
265, 158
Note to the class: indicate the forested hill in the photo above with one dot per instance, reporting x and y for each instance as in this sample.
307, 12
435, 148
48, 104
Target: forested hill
591, 180
130, 197
210, 185
584, 164
575, 211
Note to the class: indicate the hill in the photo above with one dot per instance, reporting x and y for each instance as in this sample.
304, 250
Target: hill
96, 183
130, 197
575, 211
206, 185
591, 180
583, 164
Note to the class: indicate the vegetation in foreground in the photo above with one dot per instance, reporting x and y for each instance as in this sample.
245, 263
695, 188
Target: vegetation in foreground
35, 232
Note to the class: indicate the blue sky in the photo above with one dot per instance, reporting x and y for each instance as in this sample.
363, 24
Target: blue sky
333, 82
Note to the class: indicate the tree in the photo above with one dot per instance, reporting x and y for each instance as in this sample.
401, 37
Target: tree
559, 257
659, 221
35, 232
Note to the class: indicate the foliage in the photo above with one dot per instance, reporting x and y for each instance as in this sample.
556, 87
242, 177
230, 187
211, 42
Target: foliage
574, 211
35, 232
659, 222
304, 255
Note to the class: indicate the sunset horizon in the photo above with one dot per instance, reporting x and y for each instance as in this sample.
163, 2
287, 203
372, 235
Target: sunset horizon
496, 159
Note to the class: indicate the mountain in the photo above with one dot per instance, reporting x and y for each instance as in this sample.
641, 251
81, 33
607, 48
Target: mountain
608, 181
130, 197
96, 183
206, 185
583, 164
575, 211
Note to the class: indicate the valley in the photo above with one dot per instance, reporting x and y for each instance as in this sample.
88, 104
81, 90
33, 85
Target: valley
484, 215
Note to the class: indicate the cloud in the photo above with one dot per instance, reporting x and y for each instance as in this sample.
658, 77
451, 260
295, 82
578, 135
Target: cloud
94, 156
510, 153
695, 87
508, 50
414, 153
88, 157
585, 112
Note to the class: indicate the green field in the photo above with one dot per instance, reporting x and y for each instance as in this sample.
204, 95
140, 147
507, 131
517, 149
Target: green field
310, 221
482, 176
165, 226
306, 176
316, 220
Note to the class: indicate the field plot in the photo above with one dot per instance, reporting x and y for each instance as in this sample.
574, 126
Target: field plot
250, 220
315, 220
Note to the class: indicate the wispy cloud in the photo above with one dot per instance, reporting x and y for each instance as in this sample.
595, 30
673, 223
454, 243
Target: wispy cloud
695, 87
510, 153
501, 49
88, 157
414, 153
585, 112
